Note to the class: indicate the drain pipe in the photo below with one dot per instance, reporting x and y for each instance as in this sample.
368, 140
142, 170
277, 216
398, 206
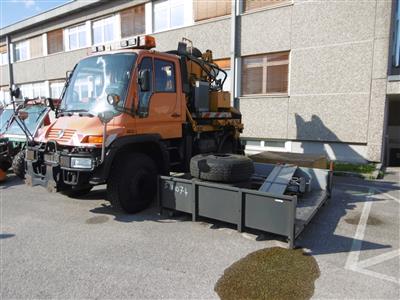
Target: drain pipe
10, 69
234, 49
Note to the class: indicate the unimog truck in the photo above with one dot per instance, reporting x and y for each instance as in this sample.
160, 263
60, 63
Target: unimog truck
130, 114
14, 132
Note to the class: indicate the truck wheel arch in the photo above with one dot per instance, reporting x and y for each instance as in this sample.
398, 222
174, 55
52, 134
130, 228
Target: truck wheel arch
150, 144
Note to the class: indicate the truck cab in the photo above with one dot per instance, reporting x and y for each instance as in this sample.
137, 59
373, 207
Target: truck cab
128, 115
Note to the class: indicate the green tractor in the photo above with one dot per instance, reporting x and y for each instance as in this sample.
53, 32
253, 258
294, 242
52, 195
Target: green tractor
19, 124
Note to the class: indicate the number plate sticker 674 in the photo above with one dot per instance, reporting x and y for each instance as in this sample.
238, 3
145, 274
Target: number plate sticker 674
176, 187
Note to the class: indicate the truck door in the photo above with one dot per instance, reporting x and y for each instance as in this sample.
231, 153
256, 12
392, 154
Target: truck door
159, 109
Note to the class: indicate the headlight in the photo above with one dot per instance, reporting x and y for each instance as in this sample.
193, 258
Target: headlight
81, 163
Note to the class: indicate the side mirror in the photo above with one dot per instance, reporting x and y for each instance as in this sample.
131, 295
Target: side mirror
144, 80
113, 99
16, 93
50, 103
106, 116
68, 75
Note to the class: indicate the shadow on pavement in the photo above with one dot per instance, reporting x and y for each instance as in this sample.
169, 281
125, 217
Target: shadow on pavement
321, 237
6, 235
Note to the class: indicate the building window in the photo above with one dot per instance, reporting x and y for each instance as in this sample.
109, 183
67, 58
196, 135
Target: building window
265, 74
77, 37
133, 21
169, 14
210, 9
56, 89
22, 51
36, 46
225, 64
103, 30
3, 55
257, 4
55, 41
4, 95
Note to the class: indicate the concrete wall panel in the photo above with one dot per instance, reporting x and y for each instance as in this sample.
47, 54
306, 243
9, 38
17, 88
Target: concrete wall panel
211, 35
336, 118
4, 79
317, 23
376, 119
383, 18
381, 56
337, 69
30, 71
64, 62
265, 31
265, 117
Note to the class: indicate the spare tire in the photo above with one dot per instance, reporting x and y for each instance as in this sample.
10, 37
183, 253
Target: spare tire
221, 167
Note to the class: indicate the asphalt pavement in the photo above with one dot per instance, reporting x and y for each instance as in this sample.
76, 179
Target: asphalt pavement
53, 246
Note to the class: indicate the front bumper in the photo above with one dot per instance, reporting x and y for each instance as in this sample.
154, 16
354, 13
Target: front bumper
51, 167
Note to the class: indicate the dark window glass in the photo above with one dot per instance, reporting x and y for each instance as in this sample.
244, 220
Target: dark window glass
133, 21
55, 41
165, 76
265, 74
144, 97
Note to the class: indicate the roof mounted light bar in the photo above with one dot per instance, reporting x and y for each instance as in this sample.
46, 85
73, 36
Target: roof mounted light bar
101, 48
139, 42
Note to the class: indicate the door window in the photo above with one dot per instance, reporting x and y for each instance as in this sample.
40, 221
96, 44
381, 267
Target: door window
165, 76
144, 97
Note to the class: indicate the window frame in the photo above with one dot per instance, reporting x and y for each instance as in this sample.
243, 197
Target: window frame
113, 21
17, 46
267, 7
132, 8
155, 76
76, 29
62, 41
3, 55
196, 5
264, 82
187, 19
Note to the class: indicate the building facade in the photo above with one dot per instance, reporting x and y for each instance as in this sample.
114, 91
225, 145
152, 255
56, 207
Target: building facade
308, 76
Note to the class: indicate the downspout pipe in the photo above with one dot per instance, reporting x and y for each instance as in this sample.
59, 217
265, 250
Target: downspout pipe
234, 98
10, 68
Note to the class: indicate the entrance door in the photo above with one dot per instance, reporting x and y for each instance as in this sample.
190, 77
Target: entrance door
160, 108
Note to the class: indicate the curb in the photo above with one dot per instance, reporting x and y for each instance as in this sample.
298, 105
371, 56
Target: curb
376, 174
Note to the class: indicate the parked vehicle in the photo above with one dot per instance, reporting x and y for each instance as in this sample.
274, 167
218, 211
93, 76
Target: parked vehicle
131, 114
14, 133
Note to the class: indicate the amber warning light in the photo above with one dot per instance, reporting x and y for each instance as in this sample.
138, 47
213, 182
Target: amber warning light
139, 42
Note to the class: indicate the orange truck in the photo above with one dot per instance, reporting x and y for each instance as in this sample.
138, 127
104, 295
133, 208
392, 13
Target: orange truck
131, 114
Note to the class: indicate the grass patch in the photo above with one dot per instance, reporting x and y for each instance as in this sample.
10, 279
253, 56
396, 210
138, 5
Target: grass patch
355, 168
273, 273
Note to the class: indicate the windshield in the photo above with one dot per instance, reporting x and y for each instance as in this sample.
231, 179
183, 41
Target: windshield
5, 115
96, 77
35, 114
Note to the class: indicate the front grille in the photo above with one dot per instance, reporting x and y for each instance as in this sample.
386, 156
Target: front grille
65, 138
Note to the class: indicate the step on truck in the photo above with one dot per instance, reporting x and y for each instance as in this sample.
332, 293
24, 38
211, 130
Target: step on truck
130, 114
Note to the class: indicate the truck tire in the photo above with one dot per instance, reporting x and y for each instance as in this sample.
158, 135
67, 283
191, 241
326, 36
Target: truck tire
221, 167
5, 163
18, 164
132, 184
